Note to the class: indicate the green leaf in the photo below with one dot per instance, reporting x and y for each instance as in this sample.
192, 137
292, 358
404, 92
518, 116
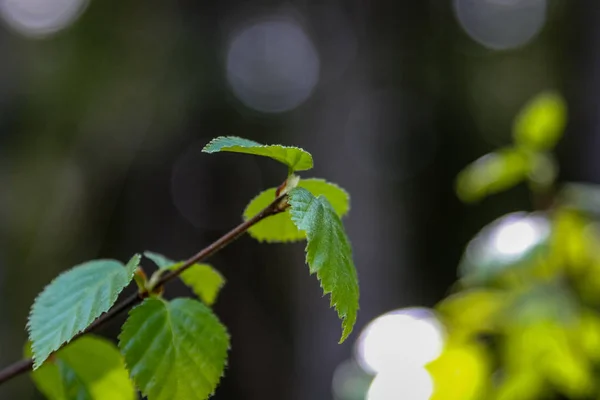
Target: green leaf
541, 122
205, 281
174, 350
328, 253
279, 227
161, 261
72, 301
493, 173
90, 368
295, 158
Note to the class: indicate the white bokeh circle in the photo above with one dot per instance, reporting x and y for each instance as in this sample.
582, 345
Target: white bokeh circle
272, 65
40, 18
501, 24
402, 338
413, 383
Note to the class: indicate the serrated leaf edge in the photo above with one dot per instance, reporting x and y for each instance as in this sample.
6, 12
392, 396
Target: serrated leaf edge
165, 302
36, 363
347, 324
206, 149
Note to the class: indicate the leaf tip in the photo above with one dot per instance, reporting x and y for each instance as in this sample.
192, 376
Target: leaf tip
347, 327
136, 259
222, 142
210, 147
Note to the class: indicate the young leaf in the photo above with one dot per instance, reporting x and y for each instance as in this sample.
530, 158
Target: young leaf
279, 227
204, 280
174, 350
295, 158
492, 173
328, 253
541, 122
89, 368
161, 261
71, 302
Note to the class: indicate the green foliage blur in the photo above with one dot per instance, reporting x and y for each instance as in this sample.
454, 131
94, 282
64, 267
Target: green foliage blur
524, 319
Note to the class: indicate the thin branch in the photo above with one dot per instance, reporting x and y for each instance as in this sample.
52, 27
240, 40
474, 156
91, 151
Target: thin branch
16, 369
277, 206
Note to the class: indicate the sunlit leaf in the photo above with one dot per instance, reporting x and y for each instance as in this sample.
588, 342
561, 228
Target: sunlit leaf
279, 227
72, 301
474, 311
569, 240
564, 367
328, 253
174, 350
295, 158
575, 243
588, 334
205, 281
493, 173
588, 284
541, 122
524, 385
90, 368
462, 372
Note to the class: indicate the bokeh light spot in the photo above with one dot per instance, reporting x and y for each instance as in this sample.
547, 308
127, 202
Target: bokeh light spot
272, 65
501, 24
408, 337
40, 18
517, 233
515, 238
350, 381
505, 242
405, 383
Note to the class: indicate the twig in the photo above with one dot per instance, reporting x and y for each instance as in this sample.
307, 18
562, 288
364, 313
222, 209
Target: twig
277, 206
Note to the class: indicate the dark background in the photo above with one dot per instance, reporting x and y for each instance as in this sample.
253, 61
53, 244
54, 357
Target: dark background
102, 123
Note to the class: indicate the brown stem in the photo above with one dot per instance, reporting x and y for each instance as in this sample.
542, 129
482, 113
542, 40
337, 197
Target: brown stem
278, 205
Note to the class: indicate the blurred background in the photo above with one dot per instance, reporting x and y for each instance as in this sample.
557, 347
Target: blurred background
106, 105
